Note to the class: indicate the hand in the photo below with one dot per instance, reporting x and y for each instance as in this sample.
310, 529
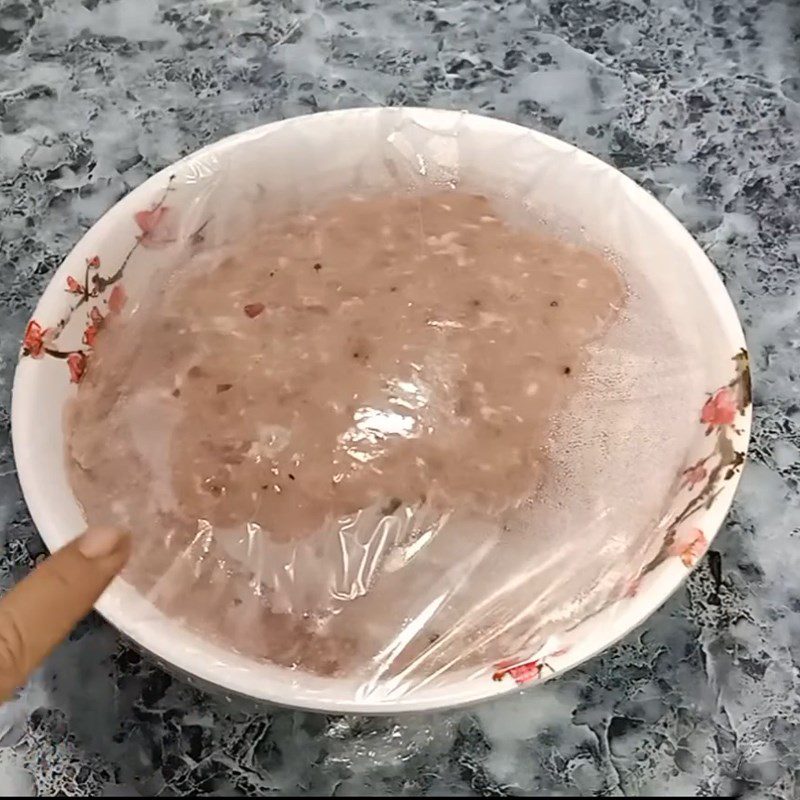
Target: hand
41, 610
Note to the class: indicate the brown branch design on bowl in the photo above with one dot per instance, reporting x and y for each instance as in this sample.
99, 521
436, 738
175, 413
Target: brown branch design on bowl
39, 341
704, 480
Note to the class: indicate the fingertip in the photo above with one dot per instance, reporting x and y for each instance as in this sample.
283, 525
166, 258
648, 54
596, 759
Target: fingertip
104, 541
42, 609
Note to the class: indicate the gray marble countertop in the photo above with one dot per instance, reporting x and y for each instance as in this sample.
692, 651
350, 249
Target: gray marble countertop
699, 101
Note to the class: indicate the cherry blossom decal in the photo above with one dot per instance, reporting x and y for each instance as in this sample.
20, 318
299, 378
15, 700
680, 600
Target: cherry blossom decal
521, 673
524, 671
154, 225
700, 482
689, 545
695, 474
94, 290
77, 366
34, 340
720, 409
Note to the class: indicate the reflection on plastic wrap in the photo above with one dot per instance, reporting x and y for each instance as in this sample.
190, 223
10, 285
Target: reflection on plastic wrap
342, 426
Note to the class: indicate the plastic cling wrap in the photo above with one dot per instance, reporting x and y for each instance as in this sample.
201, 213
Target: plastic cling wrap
396, 410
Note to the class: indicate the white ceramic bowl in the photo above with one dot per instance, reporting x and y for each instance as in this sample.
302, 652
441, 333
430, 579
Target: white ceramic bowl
562, 182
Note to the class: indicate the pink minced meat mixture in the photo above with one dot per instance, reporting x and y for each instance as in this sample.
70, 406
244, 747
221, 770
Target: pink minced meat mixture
385, 351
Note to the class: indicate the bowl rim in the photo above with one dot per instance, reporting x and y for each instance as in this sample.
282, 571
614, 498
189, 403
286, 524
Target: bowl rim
168, 642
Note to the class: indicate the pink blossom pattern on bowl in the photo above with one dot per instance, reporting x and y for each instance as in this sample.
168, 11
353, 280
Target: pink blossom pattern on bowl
702, 481
91, 290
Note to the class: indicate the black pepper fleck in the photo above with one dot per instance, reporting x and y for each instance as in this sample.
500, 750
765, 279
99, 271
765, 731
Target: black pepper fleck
317, 266
554, 304
176, 392
291, 477
567, 370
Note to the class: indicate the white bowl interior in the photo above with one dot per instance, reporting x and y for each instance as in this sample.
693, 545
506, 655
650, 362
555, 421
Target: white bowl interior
559, 181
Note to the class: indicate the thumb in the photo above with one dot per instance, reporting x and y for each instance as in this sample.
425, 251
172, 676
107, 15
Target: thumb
41, 610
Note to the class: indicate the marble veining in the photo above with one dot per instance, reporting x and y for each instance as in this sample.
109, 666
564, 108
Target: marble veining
697, 100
